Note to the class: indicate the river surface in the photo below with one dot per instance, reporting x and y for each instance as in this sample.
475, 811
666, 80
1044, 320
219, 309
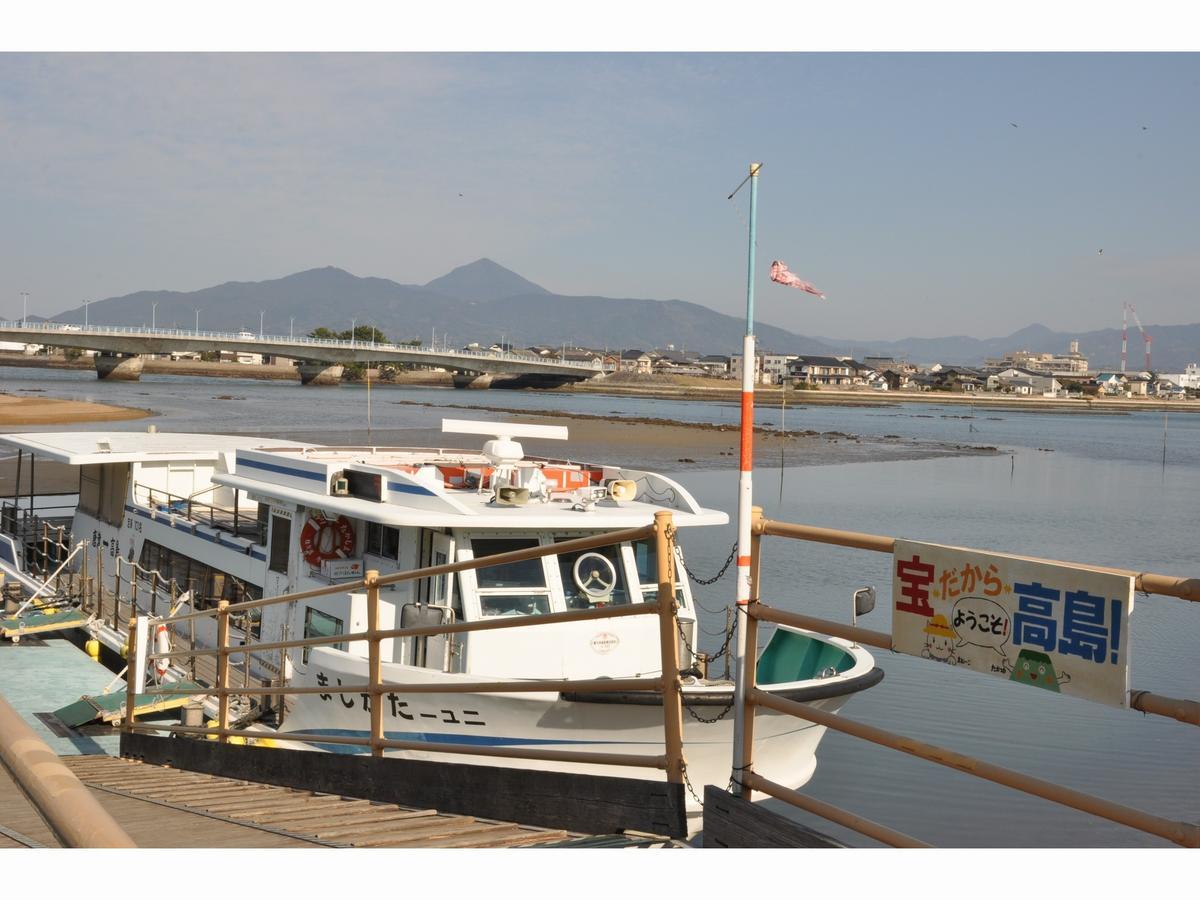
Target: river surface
1087, 488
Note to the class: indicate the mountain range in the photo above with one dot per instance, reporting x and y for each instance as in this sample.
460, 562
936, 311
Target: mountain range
485, 302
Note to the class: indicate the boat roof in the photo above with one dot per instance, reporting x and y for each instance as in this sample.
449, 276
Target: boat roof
411, 486
82, 448
420, 486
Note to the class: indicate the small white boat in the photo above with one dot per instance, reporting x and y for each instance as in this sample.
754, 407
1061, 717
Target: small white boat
240, 518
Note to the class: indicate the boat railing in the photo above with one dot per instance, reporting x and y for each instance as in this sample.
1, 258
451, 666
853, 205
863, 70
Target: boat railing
668, 684
46, 543
747, 780
233, 520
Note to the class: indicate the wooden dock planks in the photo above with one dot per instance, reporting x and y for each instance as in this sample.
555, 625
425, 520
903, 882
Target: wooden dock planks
201, 808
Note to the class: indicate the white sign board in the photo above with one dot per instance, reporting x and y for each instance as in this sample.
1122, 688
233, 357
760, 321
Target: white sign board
1053, 626
342, 568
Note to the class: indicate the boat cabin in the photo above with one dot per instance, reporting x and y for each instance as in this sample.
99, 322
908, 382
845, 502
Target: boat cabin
237, 518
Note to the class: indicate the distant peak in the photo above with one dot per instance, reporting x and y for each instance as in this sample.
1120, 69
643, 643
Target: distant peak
483, 280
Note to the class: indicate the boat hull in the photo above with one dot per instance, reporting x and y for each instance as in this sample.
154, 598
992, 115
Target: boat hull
609, 724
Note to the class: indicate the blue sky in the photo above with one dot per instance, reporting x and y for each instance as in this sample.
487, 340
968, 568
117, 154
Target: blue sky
895, 182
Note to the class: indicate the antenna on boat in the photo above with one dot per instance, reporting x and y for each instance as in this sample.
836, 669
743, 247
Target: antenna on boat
745, 498
502, 449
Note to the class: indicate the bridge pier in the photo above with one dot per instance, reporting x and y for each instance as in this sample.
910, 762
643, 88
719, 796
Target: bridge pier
118, 366
320, 373
472, 381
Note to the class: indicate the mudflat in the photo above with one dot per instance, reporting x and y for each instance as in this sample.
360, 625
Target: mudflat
39, 411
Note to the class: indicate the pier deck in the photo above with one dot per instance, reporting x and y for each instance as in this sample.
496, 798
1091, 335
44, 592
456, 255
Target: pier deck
161, 806
164, 807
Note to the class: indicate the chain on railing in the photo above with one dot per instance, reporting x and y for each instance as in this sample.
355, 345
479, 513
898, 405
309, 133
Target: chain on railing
724, 568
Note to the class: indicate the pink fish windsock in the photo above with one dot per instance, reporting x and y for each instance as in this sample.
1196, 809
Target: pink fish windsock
781, 275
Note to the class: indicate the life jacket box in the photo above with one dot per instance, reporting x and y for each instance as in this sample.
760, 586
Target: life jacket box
337, 569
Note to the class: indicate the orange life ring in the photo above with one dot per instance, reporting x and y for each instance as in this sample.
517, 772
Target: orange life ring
323, 539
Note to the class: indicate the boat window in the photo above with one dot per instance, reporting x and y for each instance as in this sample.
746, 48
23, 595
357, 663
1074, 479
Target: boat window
102, 491
383, 540
645, 556
89, 490
512, 589
319, 624
208, 585
514, 604
595, 577
281, 540
526, 574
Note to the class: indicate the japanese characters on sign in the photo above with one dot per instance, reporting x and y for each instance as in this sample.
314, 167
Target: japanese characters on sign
1057, 627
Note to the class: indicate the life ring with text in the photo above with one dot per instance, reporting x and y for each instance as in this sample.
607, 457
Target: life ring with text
162, 644
323, 539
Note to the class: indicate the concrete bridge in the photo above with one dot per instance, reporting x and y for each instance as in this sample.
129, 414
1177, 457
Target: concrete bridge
120, 351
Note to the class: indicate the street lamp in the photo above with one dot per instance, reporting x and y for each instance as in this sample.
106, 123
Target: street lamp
153, 315
85, 313
24, 308
353, 322
197, 319
261, 315
291, 328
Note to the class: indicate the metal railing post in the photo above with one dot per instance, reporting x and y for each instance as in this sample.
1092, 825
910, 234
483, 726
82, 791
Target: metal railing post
375, 662
100, 583
223, 669
668, 632
135, 671
83, 579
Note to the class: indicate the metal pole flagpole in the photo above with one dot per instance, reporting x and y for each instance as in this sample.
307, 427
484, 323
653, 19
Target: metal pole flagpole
745, 501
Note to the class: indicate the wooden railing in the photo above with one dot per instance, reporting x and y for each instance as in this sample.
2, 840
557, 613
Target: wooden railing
668, 684
747, 780
74, 816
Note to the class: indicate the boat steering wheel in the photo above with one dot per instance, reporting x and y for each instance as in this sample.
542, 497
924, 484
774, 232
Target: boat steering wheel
595, 575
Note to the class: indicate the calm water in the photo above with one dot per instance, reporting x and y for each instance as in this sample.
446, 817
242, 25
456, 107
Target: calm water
1102, 496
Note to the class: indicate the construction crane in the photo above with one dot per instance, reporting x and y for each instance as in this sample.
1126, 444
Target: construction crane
1127, 308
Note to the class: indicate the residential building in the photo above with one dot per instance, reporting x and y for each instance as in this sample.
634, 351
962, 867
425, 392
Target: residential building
715, 365
769, 367
1189, 378
824, 370
1070, 363
636, 361
1025, 381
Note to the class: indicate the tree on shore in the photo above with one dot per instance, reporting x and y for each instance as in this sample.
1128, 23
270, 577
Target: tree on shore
365, 334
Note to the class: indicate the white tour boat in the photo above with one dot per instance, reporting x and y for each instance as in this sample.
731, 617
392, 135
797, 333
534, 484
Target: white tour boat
237, 518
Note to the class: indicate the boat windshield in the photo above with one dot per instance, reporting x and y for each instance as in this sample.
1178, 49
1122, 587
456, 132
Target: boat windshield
512, 589
645, 558
605, 586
